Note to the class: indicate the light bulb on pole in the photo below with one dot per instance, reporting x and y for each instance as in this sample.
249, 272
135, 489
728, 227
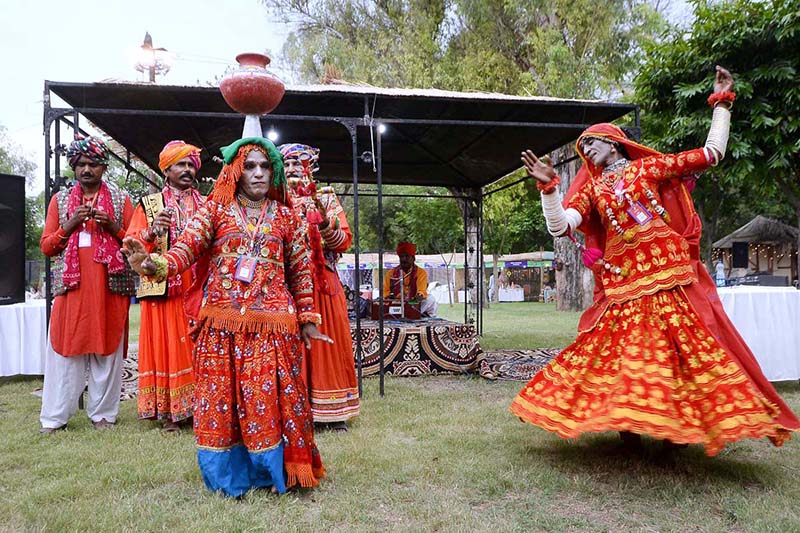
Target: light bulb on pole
154, 61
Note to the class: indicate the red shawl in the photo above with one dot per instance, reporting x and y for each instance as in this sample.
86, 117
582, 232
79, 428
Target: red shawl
107, 250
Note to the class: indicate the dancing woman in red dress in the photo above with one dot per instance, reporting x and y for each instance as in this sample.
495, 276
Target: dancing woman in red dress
649, 358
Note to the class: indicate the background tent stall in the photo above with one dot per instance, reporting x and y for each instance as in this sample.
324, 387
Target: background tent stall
462, 141
762, 252
527, 275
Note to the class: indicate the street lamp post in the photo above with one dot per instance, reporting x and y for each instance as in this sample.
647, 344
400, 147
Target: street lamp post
154, 61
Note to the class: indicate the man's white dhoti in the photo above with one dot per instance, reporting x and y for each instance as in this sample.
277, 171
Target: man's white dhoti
65, 379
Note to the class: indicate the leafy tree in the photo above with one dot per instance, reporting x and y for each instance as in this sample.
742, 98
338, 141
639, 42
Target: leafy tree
759, 42
562, 48
433, 224
568, 48
13, 160
34, 224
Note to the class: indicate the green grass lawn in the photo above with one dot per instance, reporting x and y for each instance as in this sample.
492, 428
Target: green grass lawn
435, 454
521, 325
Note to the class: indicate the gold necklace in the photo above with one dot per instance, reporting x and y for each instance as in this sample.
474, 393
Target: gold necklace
247, 203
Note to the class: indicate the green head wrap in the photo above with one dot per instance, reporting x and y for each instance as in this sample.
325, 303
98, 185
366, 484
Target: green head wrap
275, 157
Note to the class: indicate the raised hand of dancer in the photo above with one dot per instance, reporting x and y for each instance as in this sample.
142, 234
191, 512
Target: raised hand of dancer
723, 81
538, 168
138, 257
310, 332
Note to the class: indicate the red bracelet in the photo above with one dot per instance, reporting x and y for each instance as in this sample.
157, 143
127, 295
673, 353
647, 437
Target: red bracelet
550, 186
724, 96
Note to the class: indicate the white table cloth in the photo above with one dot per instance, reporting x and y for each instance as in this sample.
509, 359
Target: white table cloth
511, 295
23, 338
768, 318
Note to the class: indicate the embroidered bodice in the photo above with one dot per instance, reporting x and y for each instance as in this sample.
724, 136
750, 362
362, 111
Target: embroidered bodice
643, 254
280, 292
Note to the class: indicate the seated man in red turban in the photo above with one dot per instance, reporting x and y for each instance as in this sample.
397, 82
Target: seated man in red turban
413, 279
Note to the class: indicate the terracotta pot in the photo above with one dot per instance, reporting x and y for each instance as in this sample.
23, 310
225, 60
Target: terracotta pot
250, 89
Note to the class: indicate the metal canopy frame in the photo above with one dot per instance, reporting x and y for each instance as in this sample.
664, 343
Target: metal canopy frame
463, 164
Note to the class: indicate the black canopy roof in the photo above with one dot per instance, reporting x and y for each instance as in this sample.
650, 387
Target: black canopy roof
432, 137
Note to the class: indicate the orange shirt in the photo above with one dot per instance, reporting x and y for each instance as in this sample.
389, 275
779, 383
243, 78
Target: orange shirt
88, 319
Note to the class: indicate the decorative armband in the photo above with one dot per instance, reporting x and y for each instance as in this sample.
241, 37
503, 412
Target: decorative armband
309, 318
725, 96
550, 186
162, 267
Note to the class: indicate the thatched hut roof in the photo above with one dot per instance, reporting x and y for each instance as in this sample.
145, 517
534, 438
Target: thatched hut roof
761, 230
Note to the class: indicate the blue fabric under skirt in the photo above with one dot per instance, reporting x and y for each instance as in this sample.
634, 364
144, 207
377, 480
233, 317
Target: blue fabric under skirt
236, 470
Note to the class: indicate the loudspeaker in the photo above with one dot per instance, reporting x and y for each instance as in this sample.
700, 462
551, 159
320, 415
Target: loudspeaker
12, 239
739, 253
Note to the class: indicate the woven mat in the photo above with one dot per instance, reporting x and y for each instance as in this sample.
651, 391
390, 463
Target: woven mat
514, 365
130, 373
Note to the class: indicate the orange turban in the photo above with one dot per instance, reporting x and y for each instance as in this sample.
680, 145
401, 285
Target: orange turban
406, 247
174, 151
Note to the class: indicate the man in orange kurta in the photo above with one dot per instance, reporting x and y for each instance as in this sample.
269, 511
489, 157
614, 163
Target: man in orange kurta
414, 281
92, 285
166, 377
330, 372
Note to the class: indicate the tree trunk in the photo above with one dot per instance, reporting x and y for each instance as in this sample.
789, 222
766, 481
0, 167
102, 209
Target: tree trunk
572, 293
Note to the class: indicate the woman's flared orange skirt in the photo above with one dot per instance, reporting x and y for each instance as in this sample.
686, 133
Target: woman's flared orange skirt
166, 377
331, 372
650, 366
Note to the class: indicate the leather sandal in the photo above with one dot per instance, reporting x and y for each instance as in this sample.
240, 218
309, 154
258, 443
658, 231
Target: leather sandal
50, 431
102, 424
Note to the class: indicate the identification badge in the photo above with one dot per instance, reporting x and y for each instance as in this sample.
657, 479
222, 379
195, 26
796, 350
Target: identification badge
246, 269
639, 213
84, 239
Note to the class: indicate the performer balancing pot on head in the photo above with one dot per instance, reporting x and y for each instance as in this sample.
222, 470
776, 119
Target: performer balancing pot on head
330, 368
252, 419
166, 379
92, 286
646, 360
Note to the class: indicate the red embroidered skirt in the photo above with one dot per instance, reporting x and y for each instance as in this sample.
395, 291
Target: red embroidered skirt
250, 393
649, 366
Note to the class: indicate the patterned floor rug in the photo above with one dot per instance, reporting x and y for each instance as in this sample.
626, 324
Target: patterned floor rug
130, 373
514, 365
502, 365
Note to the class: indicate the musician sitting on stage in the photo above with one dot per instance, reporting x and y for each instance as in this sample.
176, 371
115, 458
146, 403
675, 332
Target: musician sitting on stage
414, 281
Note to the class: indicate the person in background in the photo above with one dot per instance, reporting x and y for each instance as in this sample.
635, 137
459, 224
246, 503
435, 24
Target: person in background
330, 368
411, 279
166, 378
719, 274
